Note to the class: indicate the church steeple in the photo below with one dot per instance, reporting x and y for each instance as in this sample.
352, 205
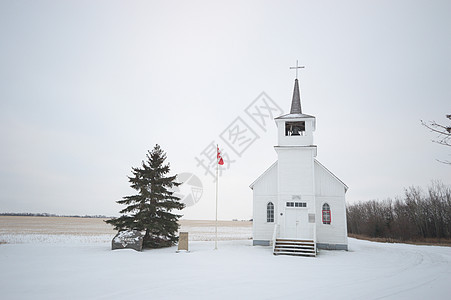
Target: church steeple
296, 129
296, 101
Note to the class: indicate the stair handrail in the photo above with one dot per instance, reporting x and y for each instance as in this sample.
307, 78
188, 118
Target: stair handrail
274, 236
314, 240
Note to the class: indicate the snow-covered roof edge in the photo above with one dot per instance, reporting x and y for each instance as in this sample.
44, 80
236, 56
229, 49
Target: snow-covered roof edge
333, 175
262, 175
295, 116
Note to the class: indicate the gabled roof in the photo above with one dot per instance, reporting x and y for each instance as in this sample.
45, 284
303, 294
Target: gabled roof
316, 161
332, 174
263, 175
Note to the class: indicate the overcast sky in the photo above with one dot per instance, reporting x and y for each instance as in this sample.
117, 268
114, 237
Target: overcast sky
87, 87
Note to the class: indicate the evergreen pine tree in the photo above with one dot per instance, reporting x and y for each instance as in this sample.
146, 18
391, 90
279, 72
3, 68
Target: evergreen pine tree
150, 209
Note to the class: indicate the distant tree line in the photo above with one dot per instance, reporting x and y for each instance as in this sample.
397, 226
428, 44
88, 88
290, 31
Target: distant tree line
416, 216
50, 215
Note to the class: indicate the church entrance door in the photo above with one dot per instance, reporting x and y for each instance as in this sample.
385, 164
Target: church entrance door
296, 223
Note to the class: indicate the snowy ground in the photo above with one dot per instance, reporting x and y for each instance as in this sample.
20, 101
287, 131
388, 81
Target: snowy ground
237, 270
78, 264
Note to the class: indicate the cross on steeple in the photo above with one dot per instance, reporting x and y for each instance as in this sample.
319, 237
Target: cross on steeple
297, 67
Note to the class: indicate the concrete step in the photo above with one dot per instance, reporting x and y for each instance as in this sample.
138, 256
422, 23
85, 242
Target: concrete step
296, 253
294, 241
294, 249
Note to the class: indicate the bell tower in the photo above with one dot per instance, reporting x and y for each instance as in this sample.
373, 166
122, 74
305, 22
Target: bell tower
295, 128
296, 173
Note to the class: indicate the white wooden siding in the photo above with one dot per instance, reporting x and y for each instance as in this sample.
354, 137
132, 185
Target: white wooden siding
262, 230
265, 191
296, 170
326, 184
336, 231
330, 190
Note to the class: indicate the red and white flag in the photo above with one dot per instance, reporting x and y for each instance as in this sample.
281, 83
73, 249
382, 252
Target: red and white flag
219, 158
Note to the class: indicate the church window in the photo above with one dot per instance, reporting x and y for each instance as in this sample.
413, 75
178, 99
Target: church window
296, 204
270, 212
326, 214
295, 128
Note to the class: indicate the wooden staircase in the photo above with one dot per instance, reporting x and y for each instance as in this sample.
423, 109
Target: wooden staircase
295, 247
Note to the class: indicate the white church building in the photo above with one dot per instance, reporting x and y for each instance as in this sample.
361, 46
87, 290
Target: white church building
298, 204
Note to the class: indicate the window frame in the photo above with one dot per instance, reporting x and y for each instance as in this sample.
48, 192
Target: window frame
326, 215
296, 204
270, 212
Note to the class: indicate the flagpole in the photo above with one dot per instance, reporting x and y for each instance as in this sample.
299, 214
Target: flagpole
216, 223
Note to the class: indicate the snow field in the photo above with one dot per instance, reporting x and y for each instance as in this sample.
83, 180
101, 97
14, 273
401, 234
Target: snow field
92, 230
54, 238
61, 258
236, 270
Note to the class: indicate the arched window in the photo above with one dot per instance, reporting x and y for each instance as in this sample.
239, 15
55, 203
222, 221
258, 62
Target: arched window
270, 212
326, 214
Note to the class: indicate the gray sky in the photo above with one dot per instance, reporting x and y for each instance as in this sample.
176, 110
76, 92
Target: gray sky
87, 87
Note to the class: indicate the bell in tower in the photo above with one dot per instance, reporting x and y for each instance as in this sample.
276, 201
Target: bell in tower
294, 128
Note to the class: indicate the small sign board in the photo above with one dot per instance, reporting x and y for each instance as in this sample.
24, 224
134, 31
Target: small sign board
132, 239
183, 242
311, 218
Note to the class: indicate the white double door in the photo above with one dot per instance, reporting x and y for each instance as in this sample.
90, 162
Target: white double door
296, 223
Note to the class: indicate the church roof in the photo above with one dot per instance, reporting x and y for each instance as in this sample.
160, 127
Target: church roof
332, 174
294, 116
263, 175
296, 110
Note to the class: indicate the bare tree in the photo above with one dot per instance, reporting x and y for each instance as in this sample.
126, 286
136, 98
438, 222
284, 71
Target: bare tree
443, 131
417, 215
